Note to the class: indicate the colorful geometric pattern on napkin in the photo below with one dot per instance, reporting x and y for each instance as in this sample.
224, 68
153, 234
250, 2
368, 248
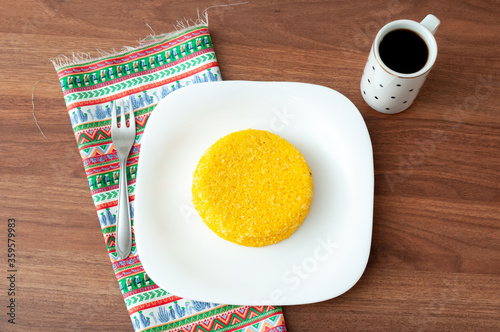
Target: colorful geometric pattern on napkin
144, 76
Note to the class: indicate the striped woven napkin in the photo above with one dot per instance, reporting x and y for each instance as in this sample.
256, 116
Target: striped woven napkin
146, 74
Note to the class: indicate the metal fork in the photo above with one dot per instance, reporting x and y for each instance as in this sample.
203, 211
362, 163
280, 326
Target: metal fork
123, 138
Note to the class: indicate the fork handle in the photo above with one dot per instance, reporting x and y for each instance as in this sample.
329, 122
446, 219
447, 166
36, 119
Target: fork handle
123, 238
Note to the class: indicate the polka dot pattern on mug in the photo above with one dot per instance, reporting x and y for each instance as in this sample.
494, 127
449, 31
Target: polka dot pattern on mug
385, 92
391, 89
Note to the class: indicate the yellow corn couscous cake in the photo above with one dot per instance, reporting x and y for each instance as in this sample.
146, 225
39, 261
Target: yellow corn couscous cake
252, 188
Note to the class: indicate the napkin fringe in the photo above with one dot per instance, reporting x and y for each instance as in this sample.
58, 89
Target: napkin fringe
83, 57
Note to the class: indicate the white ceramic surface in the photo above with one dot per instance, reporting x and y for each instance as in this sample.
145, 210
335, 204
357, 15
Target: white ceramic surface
391, 92
325, 256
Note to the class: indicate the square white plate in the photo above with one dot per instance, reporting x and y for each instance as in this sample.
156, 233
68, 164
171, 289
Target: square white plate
325, 256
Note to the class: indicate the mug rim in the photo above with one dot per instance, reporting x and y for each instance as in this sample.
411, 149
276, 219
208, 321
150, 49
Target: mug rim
417, 28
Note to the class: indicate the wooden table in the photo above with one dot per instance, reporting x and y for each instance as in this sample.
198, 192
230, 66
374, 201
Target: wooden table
435, 257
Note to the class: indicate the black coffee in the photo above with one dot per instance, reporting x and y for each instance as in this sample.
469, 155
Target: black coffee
403, 51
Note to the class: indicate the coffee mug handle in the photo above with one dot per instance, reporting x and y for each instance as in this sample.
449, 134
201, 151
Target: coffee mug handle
431, 22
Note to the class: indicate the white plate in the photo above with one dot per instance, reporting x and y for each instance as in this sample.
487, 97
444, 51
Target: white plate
325, 256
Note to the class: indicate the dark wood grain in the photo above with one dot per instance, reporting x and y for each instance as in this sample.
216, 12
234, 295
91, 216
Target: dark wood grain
435, 258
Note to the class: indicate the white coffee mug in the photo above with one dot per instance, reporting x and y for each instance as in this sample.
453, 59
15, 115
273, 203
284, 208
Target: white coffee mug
386, 90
